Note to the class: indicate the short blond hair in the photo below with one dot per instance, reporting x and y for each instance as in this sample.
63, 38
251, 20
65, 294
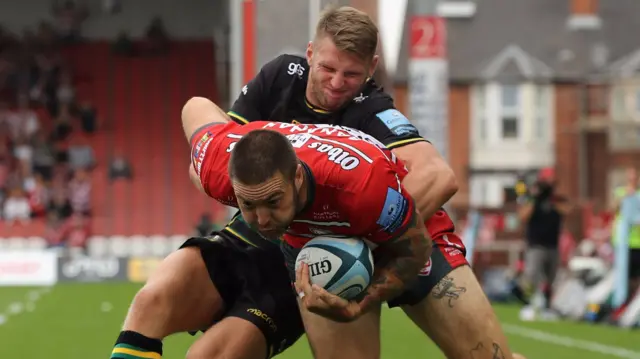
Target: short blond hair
350, 29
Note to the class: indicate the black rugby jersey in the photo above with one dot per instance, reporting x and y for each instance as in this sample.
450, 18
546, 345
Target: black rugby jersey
277, 93
244, 237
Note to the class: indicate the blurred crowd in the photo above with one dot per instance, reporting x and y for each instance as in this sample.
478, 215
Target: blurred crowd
46, 127
45, 152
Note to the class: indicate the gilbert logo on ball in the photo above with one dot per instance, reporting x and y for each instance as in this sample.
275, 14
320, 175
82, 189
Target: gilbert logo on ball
342, 266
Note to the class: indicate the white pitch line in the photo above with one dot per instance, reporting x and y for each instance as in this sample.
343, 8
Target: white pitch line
29, 304
608, 350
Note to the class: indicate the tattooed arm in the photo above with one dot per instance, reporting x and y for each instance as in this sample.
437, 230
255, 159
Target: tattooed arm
385, 214
400, 260
493, 351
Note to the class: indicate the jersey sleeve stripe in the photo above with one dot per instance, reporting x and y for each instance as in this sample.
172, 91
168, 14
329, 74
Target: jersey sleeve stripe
401, 143
235, 116
199, 129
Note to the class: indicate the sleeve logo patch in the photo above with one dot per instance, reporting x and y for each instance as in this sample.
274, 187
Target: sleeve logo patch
393, 212
396, 122
201, 150
201, 142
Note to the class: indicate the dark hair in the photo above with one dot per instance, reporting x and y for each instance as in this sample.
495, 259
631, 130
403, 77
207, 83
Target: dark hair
259, 155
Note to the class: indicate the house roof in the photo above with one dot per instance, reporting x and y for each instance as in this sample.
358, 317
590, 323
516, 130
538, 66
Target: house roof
532, 39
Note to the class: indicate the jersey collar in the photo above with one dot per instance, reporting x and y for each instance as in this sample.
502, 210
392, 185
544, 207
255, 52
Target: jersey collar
363, 89
311, 187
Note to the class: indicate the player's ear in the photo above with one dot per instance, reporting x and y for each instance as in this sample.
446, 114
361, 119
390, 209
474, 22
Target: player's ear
309, 51
299, 177
374, 65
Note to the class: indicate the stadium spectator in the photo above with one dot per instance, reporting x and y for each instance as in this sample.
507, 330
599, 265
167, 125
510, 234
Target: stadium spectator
88, 117
46, 39
69, 17
76, 231
43, 80
157, 37
5, 117
119, 167
65, 93
73, 232
33, 160
81, 156
123, 45
5, 170
205, 226
53, 230
38, 195
27, 120
23, 152
62, 125
80, 193
43, 156
60, 206
16, 207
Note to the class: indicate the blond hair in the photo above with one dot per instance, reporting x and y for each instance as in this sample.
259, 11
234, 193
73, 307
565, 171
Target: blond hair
350, 29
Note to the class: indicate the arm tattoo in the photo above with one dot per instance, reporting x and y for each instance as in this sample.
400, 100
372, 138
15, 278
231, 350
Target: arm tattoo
404, 256
480, 351
447, 289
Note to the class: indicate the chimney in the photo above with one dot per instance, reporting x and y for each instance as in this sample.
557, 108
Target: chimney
584, 7
583, 15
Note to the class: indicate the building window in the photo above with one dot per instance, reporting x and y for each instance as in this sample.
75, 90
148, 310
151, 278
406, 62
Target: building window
509, 96
481, 112
509, 127
510, 111
618, 102
542, 107
478, 191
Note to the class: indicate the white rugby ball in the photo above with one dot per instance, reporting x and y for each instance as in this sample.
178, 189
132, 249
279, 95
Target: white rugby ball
342, 266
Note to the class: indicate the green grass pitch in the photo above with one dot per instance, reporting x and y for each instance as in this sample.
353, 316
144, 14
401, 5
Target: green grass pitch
79, 321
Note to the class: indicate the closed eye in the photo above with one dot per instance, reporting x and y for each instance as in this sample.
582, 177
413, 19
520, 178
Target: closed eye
330, 69
247, 205
352, 74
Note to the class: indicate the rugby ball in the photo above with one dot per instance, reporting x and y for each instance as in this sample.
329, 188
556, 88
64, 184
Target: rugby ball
342, 266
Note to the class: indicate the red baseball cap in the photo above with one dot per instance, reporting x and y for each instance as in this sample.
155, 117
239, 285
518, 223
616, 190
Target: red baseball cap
547, 173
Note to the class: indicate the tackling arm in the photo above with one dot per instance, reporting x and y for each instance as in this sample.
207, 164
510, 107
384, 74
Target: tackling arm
199, 111
430, 180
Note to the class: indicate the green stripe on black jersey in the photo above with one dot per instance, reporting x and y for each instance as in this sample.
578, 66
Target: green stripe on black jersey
238, 228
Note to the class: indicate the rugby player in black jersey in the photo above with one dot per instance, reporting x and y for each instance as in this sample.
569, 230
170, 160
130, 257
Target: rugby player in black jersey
333, 85
204, 286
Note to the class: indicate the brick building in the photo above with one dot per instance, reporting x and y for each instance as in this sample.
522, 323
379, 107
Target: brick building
536, 83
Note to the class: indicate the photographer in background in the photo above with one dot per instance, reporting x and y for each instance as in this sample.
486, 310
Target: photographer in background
542, 210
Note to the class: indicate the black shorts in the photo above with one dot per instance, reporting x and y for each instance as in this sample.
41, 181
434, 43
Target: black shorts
254, 286
634, 263
434, 271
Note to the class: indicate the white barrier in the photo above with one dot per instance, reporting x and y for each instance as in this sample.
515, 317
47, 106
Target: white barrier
104, 246
28, 268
